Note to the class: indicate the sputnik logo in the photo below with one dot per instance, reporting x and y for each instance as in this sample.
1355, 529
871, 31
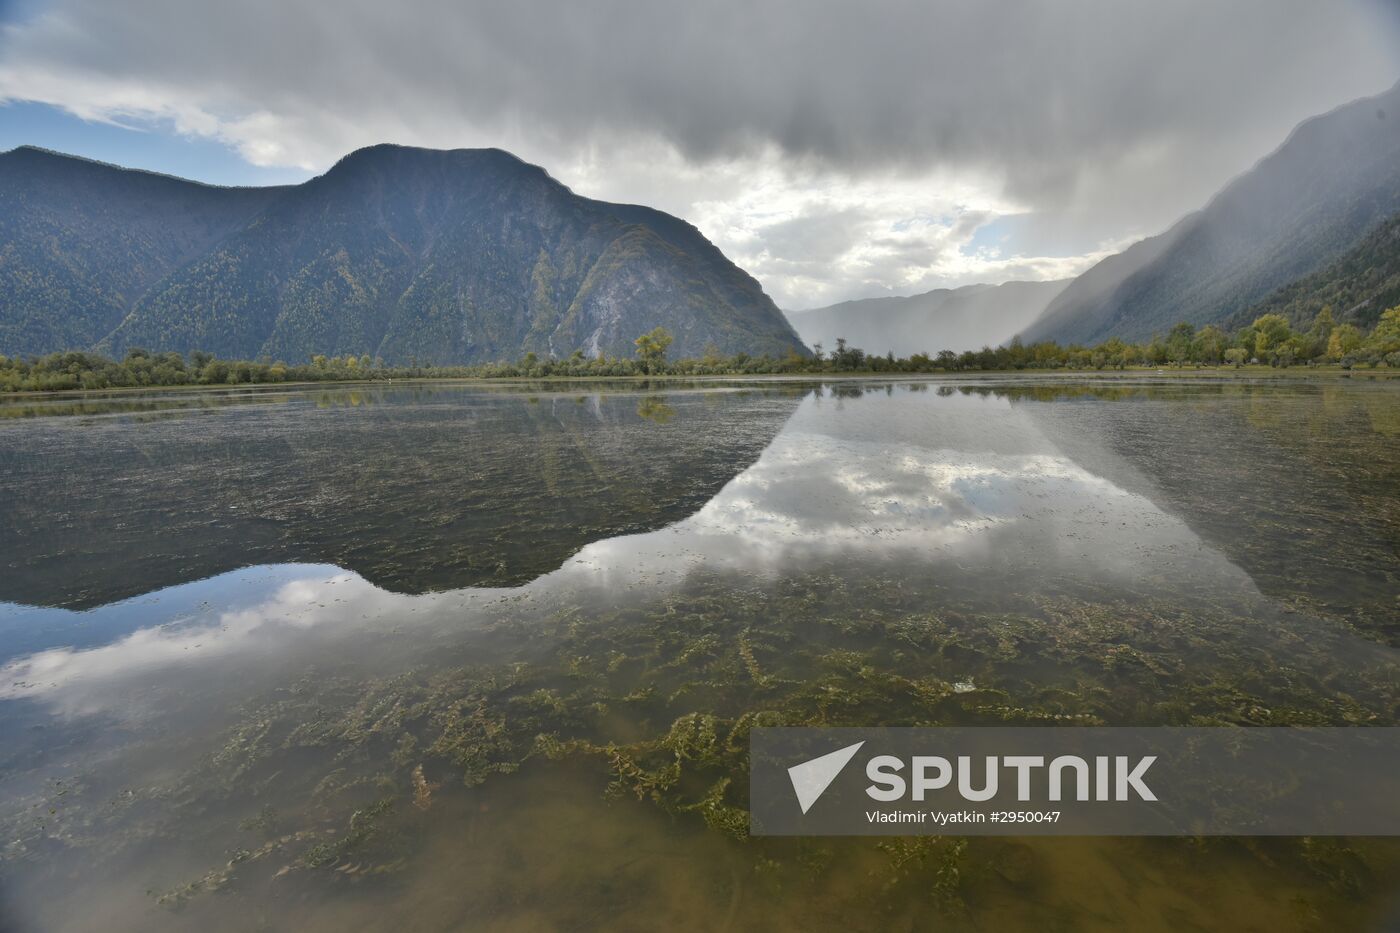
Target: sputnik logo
811, 778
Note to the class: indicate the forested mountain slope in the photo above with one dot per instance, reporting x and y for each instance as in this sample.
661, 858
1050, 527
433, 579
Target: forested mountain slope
1357, 287
407, 254
1302, 207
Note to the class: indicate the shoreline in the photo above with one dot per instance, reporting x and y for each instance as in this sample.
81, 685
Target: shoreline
1221, 373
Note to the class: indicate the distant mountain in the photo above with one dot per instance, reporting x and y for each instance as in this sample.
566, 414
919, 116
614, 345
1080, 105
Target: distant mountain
958, 319
1357, 287
1299, 209
461, 256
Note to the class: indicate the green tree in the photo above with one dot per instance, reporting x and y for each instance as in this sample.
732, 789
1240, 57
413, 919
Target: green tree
1179, 343
1345, 341
652, 347
846, 356
1209, 345
1322, 325
1385, 339
1271, 332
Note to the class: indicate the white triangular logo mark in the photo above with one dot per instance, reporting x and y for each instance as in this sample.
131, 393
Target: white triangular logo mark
811, 778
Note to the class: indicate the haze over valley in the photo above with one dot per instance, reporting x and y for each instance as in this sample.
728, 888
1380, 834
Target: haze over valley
956, 319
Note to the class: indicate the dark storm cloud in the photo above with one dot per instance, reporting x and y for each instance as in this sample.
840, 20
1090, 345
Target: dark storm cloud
1039, 88
1067, 106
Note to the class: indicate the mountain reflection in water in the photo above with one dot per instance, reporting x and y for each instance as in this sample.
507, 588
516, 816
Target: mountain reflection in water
419, 488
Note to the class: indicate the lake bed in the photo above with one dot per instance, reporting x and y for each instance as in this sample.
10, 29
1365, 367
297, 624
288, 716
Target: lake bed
457, 656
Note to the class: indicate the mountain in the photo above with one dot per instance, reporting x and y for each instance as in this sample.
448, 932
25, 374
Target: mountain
958, 319
1357, 287
1330, 183
81, 242
460, 256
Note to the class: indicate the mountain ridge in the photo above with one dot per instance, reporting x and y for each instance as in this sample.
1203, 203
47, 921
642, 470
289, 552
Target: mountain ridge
411, 255
1301, 206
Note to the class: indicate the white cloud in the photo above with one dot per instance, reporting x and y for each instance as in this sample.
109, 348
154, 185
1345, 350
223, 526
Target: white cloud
814, 234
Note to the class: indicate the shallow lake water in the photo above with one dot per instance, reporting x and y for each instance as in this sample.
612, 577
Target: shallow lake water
454, 656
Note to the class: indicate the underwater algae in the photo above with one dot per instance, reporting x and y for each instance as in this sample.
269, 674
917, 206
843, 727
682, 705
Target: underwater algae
574, 752
655, 708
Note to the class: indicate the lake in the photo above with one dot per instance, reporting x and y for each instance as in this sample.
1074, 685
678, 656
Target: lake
472, 656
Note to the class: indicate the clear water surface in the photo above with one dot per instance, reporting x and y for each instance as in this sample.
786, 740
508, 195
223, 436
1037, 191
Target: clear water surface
453, 656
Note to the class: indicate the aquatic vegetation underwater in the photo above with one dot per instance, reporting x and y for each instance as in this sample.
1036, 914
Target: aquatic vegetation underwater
573, 752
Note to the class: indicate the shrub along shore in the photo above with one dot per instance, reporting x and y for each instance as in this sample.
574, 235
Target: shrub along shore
1269, 341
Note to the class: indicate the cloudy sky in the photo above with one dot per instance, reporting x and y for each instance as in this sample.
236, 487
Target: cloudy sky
835, 150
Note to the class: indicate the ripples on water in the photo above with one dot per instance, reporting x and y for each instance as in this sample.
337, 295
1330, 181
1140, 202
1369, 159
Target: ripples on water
473, 657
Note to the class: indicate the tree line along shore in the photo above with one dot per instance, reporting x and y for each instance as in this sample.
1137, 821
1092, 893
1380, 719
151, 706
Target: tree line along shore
1268, 341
